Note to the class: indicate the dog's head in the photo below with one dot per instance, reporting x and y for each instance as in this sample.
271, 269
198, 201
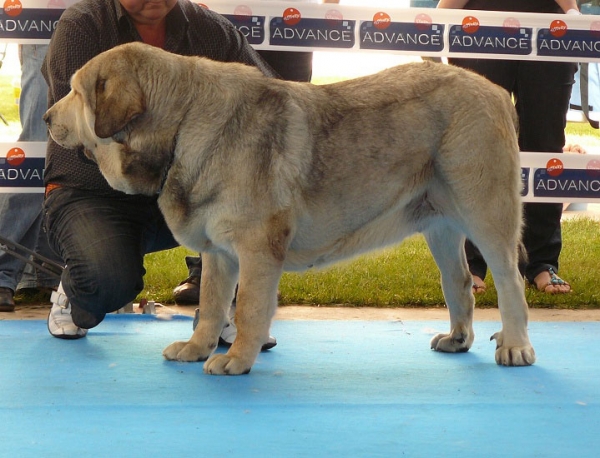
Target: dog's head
99, 114
105, 96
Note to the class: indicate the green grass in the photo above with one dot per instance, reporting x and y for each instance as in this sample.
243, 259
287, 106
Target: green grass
9, 109
403, 276
583, 134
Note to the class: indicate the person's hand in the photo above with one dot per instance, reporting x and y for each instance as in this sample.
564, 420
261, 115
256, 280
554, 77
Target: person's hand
576, 149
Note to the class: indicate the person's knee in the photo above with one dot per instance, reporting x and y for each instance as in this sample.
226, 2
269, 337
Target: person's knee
89, 309
87, 319
95, 292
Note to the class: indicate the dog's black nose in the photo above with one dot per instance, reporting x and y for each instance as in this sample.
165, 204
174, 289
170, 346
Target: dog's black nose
46, 118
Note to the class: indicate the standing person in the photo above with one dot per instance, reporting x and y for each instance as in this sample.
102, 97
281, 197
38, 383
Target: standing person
102, 234
541, 91
21, 213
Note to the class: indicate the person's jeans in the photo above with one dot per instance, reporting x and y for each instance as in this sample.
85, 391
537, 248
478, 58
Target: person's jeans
20, 218
103, 241
194, 265
34, 94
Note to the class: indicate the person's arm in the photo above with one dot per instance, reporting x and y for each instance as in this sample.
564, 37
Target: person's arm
452, 4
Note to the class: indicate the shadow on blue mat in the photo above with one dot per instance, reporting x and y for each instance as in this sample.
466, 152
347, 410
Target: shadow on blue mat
355, 388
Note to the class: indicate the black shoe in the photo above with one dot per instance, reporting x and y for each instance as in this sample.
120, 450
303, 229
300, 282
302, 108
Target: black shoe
188, 292
7, 303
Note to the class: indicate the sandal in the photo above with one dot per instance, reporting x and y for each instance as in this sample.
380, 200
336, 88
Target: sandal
554, 282
478, 286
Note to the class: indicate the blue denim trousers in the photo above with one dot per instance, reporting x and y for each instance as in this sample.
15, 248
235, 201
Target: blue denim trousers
21, 214
103, 241
34, 94
20, 218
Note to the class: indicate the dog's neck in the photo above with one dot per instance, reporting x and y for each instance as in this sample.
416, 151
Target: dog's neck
165, 173
126, 138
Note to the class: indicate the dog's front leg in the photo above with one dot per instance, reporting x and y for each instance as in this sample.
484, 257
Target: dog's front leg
256, 306
217, 287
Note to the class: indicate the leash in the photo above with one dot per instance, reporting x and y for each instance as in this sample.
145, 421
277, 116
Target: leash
39, 262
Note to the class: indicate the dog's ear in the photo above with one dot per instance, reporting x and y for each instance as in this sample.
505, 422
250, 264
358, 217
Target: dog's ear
118, 101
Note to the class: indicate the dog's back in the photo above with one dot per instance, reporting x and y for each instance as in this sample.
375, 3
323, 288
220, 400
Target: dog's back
393, 152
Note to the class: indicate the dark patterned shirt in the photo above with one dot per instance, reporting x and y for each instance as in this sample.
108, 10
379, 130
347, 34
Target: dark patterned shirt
522, 6
92, 26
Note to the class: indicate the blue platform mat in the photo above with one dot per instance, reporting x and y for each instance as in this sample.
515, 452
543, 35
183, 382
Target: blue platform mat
330, 388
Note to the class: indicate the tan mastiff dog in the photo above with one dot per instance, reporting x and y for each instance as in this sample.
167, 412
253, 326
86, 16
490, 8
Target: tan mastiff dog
262, 176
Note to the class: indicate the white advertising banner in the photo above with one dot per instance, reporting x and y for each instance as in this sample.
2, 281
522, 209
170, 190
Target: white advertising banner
412, 31
419, 31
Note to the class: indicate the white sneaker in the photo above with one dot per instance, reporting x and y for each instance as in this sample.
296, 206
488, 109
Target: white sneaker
229, 333
60, 321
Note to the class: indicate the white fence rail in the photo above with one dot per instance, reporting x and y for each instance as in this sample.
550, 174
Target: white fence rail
338, 27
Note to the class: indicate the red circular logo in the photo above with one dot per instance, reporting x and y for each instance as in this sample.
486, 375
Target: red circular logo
423, 21
511, 25
470, 24
333, 18
595, 28
59, 4
13, 7
291, 16
593, 168
242, 13
382, 20
558, 28
15, 156
554, 167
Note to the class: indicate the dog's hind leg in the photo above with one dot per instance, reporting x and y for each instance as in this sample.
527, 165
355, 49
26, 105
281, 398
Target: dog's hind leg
499, 248
447, 247
217, 287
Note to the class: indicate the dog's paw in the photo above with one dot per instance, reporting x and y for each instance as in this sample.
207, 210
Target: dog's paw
455, 342
513, 355
224, 364
185, 352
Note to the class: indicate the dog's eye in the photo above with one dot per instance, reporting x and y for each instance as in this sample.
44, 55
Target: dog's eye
100, 84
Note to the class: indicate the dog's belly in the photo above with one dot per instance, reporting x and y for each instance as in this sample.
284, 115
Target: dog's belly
371, 215
311, 247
